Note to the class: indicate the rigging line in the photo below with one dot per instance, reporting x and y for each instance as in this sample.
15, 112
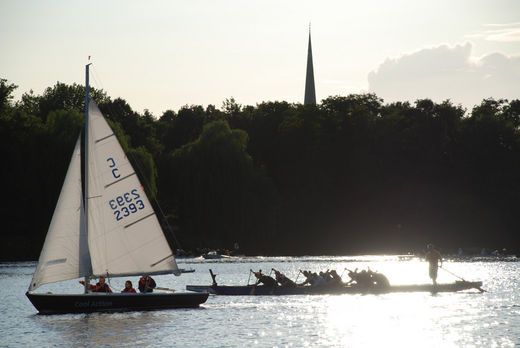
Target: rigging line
110, 108
111, 111
96, 77
154, 198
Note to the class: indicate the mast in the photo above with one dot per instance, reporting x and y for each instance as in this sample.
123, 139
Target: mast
85, 147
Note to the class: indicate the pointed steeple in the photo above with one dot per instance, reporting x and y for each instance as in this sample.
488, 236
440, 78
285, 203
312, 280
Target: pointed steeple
310, 93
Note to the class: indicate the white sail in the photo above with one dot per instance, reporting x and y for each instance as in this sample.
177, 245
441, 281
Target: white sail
124, 235
65, 251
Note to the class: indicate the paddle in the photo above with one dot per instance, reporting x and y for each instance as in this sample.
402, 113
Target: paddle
453, 274
299, 271
248, 279
213, 277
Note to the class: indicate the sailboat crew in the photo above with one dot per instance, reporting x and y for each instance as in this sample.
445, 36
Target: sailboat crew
146, 284
101, 286
128, 288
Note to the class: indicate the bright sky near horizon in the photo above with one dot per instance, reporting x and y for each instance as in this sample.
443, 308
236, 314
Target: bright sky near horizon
161, 55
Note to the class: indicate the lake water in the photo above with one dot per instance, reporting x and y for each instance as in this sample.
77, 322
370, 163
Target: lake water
468, 319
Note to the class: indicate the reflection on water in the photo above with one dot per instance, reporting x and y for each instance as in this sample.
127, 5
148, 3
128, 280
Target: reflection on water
100, 329
401, 319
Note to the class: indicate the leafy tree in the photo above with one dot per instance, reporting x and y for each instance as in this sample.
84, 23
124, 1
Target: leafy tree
59, 97
182, 128
215, 185
6, 94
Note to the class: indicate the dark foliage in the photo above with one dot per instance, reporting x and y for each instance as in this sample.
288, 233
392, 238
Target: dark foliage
349, 175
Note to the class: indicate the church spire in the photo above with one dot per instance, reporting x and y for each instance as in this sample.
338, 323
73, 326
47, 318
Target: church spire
310, 93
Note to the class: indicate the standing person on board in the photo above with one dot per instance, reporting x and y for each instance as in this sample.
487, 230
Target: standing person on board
433, 257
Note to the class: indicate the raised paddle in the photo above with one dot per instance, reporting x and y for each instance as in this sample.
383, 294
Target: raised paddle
453, 274
248, 279
299, 271
213, 277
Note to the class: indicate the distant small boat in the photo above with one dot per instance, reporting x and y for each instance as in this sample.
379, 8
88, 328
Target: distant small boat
184, 270
213, 255
112, 232
253, 290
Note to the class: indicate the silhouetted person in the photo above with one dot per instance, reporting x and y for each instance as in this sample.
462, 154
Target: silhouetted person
362, 279
265, 279
379, 280
283, 280
433, 257
308, 278
336, 277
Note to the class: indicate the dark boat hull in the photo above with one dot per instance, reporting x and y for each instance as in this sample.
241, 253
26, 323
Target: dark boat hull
252, 290
114, 302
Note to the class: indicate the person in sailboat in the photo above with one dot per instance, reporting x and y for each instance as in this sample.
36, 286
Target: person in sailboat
128, 288
146, 284
433, 257
100, 286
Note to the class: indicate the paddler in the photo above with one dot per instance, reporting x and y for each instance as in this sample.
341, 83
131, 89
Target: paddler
265, 279
283, 280
433, 257
379, 280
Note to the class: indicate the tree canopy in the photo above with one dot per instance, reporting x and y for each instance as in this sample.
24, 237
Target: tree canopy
348, 175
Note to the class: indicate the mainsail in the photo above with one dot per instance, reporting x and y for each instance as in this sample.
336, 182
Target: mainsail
125, 237
65, 252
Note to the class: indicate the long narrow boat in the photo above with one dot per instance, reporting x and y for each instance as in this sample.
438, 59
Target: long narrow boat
251, 290
108, 228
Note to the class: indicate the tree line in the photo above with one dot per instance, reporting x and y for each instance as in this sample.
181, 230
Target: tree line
349, 175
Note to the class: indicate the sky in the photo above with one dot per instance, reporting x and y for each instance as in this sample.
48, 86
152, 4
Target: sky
162, 55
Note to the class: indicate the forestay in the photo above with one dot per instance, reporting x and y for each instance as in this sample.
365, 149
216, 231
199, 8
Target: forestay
65, 253
124, 235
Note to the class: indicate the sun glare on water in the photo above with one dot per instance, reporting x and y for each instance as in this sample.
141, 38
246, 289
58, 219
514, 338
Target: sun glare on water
397, 319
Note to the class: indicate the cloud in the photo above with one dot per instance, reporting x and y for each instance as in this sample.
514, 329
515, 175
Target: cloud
509, 32
445, 72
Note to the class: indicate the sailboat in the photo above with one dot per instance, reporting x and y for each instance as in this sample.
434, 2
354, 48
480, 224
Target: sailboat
111, 232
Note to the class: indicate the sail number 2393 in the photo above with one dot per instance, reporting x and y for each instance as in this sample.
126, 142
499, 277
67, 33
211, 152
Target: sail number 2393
126, 204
